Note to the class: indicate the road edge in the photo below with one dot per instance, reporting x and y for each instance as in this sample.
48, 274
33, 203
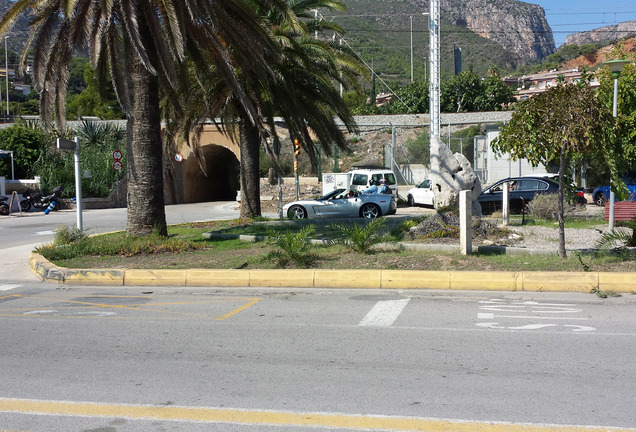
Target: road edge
584, 282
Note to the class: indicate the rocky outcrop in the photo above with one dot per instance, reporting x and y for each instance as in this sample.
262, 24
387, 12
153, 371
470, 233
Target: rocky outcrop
519, 27
603, 34
451, 173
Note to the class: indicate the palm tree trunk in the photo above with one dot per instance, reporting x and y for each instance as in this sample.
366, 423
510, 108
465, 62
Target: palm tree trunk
250, 179
146, 212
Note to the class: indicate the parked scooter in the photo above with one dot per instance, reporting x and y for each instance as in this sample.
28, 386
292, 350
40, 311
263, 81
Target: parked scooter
4, 206
39, 201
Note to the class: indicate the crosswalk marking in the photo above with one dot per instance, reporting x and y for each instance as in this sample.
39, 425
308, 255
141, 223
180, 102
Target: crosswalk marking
8, 287
384, 313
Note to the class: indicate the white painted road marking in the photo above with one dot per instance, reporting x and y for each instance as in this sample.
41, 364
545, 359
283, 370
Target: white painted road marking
8, 287
384, 313
529, 310
45, 232
490, 316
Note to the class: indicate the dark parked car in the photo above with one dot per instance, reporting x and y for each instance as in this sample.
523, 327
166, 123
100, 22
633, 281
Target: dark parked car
522, 191
601, 194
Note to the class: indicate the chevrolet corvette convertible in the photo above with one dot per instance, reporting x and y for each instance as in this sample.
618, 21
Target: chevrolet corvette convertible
336, 204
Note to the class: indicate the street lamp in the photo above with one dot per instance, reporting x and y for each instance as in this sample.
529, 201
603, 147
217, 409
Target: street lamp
616, 67
6, 69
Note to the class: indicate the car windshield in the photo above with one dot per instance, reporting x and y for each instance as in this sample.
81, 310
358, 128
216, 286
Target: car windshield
425, 184
334, 194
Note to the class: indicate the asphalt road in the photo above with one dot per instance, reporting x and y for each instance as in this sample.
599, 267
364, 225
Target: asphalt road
183, 359
162, 359
21, 233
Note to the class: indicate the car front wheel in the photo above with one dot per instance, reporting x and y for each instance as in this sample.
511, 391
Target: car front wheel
297, 212
600, 199
410, 200
370, 211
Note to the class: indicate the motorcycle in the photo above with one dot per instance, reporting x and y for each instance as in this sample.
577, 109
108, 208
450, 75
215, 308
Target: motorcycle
4, 207
39, 201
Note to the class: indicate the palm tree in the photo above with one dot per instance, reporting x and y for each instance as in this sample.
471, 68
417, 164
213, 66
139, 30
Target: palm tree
301, 90
142, 45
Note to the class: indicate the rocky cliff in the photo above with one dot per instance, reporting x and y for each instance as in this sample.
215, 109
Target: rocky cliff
519, 27
603, 34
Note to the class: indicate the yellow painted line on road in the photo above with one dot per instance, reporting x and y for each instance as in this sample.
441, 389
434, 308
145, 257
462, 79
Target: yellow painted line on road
278, 418
144, 307
242, 308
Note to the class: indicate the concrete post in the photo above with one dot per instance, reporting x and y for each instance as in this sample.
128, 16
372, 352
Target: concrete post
465, 222
505, 205
2, 190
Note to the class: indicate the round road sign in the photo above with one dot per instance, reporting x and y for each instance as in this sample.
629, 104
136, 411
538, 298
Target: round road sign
178, 157
117, 155
117, 165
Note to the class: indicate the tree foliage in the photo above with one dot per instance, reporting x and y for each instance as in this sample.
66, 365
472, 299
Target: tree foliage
27, 145
564, 123
468, 92
625, 127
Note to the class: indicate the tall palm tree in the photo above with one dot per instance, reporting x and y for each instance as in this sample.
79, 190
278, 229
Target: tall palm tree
141, 45
301, 91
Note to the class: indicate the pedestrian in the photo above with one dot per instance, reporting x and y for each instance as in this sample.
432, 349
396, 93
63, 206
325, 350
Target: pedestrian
384, 188
372, 189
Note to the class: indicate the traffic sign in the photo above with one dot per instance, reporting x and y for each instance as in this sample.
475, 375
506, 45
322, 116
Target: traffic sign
117, 155
64, 144
178, 157
117, 165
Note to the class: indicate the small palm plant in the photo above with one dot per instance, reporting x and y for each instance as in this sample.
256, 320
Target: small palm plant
360, 238
295, 247
618, 238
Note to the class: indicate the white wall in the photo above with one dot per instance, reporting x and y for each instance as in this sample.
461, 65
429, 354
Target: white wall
503, 167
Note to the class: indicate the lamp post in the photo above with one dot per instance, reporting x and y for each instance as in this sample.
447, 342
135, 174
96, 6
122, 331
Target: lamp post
616, 67
6, 69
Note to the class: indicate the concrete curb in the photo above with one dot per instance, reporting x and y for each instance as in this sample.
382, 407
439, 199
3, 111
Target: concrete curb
366, 279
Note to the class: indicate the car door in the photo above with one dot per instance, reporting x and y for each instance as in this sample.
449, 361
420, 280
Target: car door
338, 206
424, 194
524, 192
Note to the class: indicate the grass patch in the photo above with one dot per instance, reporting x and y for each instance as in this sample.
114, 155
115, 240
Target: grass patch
185, 247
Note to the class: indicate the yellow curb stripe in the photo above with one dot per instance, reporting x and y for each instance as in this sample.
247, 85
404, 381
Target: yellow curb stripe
255, 417
624, 282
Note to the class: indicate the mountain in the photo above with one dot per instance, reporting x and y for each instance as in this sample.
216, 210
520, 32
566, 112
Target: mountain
603, 34
499, 33
19, 34
519, 27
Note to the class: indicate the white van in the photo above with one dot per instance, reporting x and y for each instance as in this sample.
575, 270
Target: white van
358, 179
361, 178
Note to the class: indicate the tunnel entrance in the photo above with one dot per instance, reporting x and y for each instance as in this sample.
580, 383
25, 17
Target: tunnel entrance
222, 180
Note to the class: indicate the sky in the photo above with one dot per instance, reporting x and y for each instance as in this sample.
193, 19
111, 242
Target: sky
573, 16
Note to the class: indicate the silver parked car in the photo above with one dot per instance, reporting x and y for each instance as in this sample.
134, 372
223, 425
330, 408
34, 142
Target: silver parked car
338, 204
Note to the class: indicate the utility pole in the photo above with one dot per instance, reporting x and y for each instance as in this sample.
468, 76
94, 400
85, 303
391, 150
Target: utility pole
411, 18
434, 90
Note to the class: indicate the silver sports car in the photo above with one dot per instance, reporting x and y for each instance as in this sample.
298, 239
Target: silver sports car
336, 204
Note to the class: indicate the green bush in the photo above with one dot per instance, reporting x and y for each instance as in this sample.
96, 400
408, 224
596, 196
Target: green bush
27, 145
360, 238
98, 141
295, 247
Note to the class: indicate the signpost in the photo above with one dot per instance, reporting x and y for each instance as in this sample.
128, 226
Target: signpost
64, 144
117, 166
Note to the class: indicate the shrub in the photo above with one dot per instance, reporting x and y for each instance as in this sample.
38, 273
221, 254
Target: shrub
360, 238
546, 206
295, 247
65, 235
